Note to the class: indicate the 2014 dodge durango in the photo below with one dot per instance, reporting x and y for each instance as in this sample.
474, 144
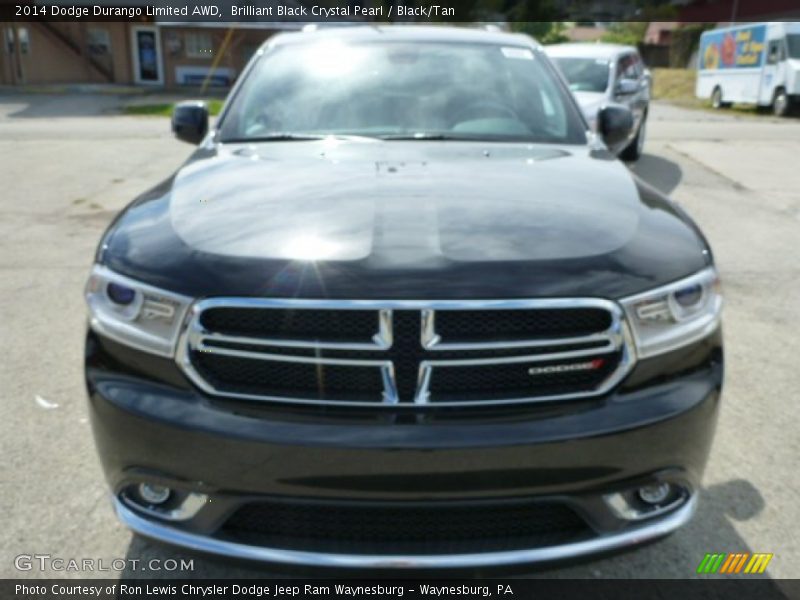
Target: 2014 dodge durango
402, 308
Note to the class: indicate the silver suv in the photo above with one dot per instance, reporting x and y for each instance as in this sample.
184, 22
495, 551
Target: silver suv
599, 74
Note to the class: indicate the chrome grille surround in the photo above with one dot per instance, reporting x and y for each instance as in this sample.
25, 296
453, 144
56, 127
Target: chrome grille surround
196, 338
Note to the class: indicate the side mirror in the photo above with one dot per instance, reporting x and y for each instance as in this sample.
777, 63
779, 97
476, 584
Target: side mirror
626, 87
190, 121
615, 124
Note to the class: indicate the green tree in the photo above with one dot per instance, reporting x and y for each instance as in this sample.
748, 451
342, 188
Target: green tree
545, 32
630, 33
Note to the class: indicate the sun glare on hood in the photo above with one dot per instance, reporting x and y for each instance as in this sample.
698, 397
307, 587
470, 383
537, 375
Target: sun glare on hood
310, 247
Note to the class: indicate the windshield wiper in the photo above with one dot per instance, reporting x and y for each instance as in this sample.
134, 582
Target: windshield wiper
422, 136
278, 136
298, 137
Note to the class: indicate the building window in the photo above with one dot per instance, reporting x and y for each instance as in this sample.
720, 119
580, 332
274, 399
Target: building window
199, 45
24, 40
99, 42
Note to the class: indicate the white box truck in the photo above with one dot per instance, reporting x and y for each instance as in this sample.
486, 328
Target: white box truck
756, 63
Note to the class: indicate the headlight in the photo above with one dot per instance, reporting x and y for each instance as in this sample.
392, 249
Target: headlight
675, 315
134, 313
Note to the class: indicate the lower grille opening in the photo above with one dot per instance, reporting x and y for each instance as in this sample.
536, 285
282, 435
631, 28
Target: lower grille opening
414, 528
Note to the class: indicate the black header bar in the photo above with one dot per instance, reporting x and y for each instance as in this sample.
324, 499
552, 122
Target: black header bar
398, 11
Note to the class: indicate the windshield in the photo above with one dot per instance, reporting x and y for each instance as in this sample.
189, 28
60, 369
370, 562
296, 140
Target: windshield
584, 74
793, 45
398, 90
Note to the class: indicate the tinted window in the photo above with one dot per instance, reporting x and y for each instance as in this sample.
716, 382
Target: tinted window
584, 74
392, 89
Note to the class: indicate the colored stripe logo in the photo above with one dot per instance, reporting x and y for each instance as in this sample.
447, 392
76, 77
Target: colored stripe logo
733, 563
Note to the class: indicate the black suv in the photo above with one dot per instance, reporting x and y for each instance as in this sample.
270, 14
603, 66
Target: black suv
402, 309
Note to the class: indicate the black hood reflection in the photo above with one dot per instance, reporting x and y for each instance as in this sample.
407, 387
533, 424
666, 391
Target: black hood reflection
406, 219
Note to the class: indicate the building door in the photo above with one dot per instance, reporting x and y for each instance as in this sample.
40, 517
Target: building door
148, 67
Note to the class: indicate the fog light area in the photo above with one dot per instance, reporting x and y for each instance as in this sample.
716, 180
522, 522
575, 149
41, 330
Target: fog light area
655, 494
646, 501
163, 502
154, 494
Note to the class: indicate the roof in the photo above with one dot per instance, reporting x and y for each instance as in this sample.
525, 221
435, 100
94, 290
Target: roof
608, 51
403, 33
656, 29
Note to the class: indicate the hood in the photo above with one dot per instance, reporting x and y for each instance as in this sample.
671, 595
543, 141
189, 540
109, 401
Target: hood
590, 103
421, 219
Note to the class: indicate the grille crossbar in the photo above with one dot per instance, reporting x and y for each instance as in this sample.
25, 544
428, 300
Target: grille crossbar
391, 353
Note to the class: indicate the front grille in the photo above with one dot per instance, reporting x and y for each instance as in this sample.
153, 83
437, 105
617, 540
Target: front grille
418, 528
405, 353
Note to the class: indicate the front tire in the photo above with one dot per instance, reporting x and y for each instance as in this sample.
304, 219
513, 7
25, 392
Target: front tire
635, 149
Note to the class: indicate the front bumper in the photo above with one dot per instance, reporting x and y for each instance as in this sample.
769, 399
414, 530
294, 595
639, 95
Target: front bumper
151, 425
607, 543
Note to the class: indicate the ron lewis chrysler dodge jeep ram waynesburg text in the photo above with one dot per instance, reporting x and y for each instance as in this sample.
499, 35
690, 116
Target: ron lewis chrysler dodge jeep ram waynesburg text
402, 308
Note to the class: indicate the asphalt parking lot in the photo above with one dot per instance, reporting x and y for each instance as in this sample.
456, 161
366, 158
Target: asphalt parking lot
68, 164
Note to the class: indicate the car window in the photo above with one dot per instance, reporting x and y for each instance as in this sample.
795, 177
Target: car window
638, 66
394, 89
626, 67
793, 45
584, 74
774, 52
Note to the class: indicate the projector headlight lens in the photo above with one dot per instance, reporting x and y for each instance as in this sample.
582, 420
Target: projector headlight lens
120, 294
675, 315
134, 313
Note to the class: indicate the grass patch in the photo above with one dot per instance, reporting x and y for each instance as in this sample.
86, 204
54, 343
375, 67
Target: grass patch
677, 86
165, 109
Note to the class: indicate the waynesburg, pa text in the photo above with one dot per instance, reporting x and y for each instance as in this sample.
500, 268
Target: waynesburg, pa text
194, 590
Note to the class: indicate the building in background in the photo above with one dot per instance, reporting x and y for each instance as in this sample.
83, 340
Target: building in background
584, 32
176, 54
659, 33
146, 53
47, 53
